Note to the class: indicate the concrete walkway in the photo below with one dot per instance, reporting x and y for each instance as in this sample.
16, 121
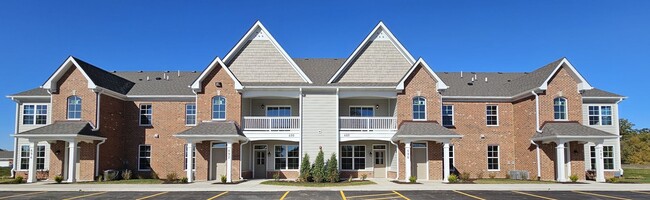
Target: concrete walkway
382, 185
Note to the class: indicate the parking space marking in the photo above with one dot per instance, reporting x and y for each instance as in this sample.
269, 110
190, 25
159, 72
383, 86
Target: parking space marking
343, 195
640, 192
534, 195
218, 195
19, 195
86, 195
370, 195
469, 195
153, 195
601, 195
285, 195
400, 195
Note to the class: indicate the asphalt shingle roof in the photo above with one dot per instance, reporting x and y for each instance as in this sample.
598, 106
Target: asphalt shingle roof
32, 92
105, 79
213, 128
5, 155
551, 129
425, 128
63, 127
174, 85
599, 93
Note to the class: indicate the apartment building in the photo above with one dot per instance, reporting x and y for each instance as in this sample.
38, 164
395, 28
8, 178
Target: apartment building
257, 111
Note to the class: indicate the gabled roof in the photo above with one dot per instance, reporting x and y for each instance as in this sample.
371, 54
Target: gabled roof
95, 76
600, 93
63, 128
196, 85
35, 92
378, 29
540, 77
160, 83
570, 130
440, 85
256, 28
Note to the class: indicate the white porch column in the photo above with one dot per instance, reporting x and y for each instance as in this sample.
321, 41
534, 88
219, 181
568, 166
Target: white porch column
600, 168
407, 160
31, 177
446, 165
559, 162
72, 161
190, 168
229, 161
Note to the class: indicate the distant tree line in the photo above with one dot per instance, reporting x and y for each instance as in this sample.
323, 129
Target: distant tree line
635, 143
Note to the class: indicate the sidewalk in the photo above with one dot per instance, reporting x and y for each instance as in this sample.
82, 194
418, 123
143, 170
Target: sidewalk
382, 185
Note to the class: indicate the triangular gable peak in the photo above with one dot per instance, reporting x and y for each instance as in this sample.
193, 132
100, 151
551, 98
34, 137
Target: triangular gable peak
582, 85
51, 83
258, 57
390, 53
197, 86
439, 84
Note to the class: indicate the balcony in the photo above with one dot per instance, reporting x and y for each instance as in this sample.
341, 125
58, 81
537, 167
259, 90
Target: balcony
368, 124
271, 124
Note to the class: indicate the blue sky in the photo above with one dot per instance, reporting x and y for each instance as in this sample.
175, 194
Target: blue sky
607, 41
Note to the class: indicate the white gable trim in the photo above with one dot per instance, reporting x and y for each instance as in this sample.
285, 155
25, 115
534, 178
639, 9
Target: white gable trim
196, 85
439, 84
247, 36
50, 84
356, 52
583, 85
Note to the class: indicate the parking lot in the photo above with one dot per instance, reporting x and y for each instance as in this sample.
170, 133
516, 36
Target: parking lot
330, 195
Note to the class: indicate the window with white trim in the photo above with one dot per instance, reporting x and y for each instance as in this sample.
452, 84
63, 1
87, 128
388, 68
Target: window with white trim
24, 157
492, 115
74, 107
190, 114
185, 158
448, 115
286, 157
362, 111
608, 157
600, 115
559, 108
144, 157
34, 114
419, 108
353, 157
278, 111
493, 158
146, 114
219, 108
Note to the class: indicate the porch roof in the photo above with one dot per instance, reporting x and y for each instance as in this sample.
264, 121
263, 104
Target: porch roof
222, 130
570, 131
63, 130
424, 130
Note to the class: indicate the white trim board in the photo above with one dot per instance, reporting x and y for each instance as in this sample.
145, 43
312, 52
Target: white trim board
439, 84
196, 85
50, 84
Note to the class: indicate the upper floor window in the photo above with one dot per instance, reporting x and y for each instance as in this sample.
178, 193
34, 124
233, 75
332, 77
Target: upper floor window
600, 115
419, 108
447, 115
74, 107
559, 108
362, 111
219, 108
146, 114
190, 114
34, 114
278, 111
492, 115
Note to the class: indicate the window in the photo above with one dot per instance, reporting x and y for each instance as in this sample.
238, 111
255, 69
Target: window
146, 111
451, 157
493, 158
419, 108
24, 157
185, 158
353, 157
74, 107
190, 114
218, 108
608, 157
600, 115
34, 114
362, 111
379, 155
144, 158
286, 157
492, 115
278, 111
559, 108
447, 115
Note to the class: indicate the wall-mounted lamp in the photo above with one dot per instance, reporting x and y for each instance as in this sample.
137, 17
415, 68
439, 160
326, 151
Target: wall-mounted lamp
262, 106
269, 153
371, 153
218, 84
482, 136
377, 107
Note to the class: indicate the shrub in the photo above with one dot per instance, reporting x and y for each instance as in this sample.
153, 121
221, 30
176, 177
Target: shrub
59, 179
492, 175
276, 176
465, 176
171, 177
412, 179
453, 178
612, 180
100, 178
350, 178
333, 169
574, 178
318, 171
224, 179
154, 175
184, 180
305, 169
18, 180
479, 175
364, 176
126, 174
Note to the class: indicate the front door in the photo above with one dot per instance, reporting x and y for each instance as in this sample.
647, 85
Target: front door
419, 161
218, 164
260, 164
379, 169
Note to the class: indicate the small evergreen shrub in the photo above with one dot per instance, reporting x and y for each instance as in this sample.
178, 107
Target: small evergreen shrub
18, 180
412, 179
276, 176
318, 170
154, 175
59, 179
224, 179
453, 178
574, 178
612, 180
305, 169
184, 180
333, 174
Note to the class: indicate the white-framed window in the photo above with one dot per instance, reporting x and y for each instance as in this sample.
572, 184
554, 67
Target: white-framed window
492, 115
380, 150
34, 114
190, 114
451, 157
559, 108
362, 111
493, 158
146, 114
24, 157
260, 152
353, 157
608, 157
74, 107
600, 115
448, 115
218, 108
419, 108
185, 158
144, 157
286, 157
278, 111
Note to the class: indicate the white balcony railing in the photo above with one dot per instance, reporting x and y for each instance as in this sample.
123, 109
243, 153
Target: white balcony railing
368, 123
263, 123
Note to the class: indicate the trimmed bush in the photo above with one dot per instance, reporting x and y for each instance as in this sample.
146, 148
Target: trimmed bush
412, 179
154, 175
18, 180
59, 179
184, 180
574, 178
224, 179
305, 169
452, 178
333, 175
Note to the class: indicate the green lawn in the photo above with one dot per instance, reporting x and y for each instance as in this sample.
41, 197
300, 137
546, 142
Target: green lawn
510, 181
131, 181
301, 184
635, 176
5, 171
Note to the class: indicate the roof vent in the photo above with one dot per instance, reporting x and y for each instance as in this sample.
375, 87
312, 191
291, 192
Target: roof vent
167, 71
114, 71
193, 71
473, 72
158, 78
525, 72
147, 78
499, 72
139, 79
446, 72
140, 71
508, 80
470, 83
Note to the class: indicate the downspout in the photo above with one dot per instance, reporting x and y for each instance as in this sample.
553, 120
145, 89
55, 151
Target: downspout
97, 157
539, 165
397, 152
15, 158
620, 169
240, 159
97, 111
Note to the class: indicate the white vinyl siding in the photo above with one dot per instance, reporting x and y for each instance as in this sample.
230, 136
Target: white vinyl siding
320, 120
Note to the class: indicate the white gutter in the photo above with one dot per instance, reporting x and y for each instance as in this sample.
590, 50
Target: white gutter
240, 155
97, 109
620, 169
97, 157
539, 164
15, 158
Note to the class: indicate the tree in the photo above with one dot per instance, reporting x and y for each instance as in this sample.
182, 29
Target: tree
625, 127
635, 144
305, 169
318, 170
333, 169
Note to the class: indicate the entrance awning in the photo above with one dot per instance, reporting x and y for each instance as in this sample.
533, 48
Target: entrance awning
205, 131
571, 131
62, 130
424, 131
